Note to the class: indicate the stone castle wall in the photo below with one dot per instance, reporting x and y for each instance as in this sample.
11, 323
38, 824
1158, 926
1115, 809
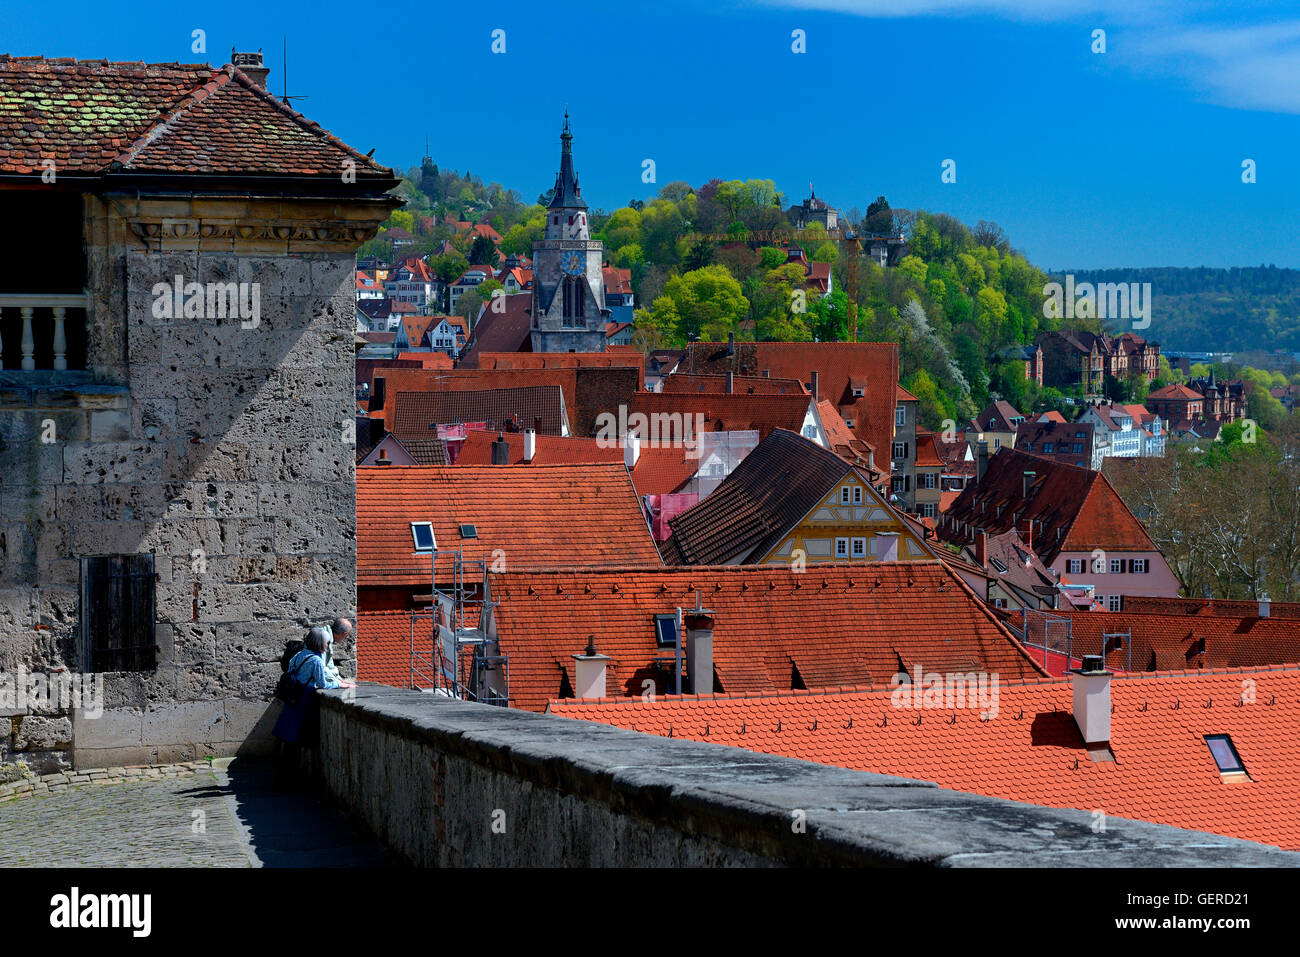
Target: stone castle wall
223, 446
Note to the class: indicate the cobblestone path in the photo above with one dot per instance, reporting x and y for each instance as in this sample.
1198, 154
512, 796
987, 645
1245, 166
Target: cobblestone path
228, 816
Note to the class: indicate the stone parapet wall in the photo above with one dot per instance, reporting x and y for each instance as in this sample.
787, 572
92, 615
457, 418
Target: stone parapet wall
450, 783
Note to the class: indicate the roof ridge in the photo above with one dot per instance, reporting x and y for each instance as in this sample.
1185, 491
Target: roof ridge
162, 124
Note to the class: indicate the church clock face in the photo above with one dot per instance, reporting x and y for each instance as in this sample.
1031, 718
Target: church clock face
573, 264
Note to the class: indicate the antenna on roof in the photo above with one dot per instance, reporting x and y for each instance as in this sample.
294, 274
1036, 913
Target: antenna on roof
284, 62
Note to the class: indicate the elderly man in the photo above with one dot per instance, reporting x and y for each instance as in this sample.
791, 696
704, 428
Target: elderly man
337, 629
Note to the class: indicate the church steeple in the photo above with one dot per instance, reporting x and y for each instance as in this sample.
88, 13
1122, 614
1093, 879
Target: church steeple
567, 195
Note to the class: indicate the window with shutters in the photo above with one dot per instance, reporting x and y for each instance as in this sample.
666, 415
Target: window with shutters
117, 613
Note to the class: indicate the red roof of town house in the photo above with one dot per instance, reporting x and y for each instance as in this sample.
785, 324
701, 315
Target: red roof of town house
927, 456
831, 625
1031, 750
408, 309
740, 385
999, 416
613, 329
1163, 642
427, 360
486, 229
1208, 606
414, 326
658, 470
540, 516
97, 116
843, 442
1073, 509
385, 640
419, 269
618, 282
1052, 416
837, 364
728, 412
1175, 391
819, 277
417, 414
565, 360
905, 396
550, 449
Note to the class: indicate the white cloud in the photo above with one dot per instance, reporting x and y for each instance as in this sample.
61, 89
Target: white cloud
1252, 67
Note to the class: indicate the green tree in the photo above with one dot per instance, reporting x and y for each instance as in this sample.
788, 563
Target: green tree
708, 301
483, 251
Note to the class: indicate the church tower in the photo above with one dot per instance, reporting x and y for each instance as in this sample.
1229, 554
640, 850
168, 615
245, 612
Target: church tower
569, 312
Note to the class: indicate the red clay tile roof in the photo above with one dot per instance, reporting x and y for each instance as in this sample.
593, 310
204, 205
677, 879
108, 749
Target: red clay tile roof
837, 364
998, 417
564, 360
427, 360
843, 442
617, 281
772, 488
96, 116
415, 414
550, 450
905, 396
662, 470
832, 624
1170, 641
740, 385
728, 412
540, 516
1073, 509
1032, 750
927, 455
1202, 606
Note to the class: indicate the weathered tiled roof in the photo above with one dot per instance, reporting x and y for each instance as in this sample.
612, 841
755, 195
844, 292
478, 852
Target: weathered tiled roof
96, 117
415, 414
538, 516
831, 625
1031, 750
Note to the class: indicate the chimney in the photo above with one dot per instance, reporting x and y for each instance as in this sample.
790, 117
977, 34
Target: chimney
731, 382
1028, 535
251, 64
1265, 606
982, 462
1028, 481
982, 550
383, 458
699, 649
590, 667
731, 343
530, 444
1092, 701
631, 449
815, 393
500, 450
537, 423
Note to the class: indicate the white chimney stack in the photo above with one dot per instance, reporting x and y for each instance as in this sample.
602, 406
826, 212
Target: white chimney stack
699, 650
590, 667
631, 449
530, 444
1265, 606
1092, 701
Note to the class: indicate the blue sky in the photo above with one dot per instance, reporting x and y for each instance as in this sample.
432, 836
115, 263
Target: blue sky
1127, 158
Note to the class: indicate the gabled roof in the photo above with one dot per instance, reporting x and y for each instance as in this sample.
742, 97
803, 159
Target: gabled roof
98, 117
843, 442
999, 416
904, 396
927, 456
506, 331
772, 488
618, 282
831, 625
540, 516
1175, 391
1073, 509
837, 364
1032, 749
416, 414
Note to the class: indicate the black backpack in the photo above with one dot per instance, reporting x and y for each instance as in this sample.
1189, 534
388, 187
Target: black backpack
291, 648
289, 689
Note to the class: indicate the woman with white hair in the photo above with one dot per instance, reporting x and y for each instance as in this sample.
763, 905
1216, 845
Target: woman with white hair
299, 723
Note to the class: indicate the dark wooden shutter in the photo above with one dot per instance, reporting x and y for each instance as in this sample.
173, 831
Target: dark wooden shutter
118, 613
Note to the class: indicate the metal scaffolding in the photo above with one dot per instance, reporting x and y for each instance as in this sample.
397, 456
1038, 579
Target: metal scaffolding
450, 653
